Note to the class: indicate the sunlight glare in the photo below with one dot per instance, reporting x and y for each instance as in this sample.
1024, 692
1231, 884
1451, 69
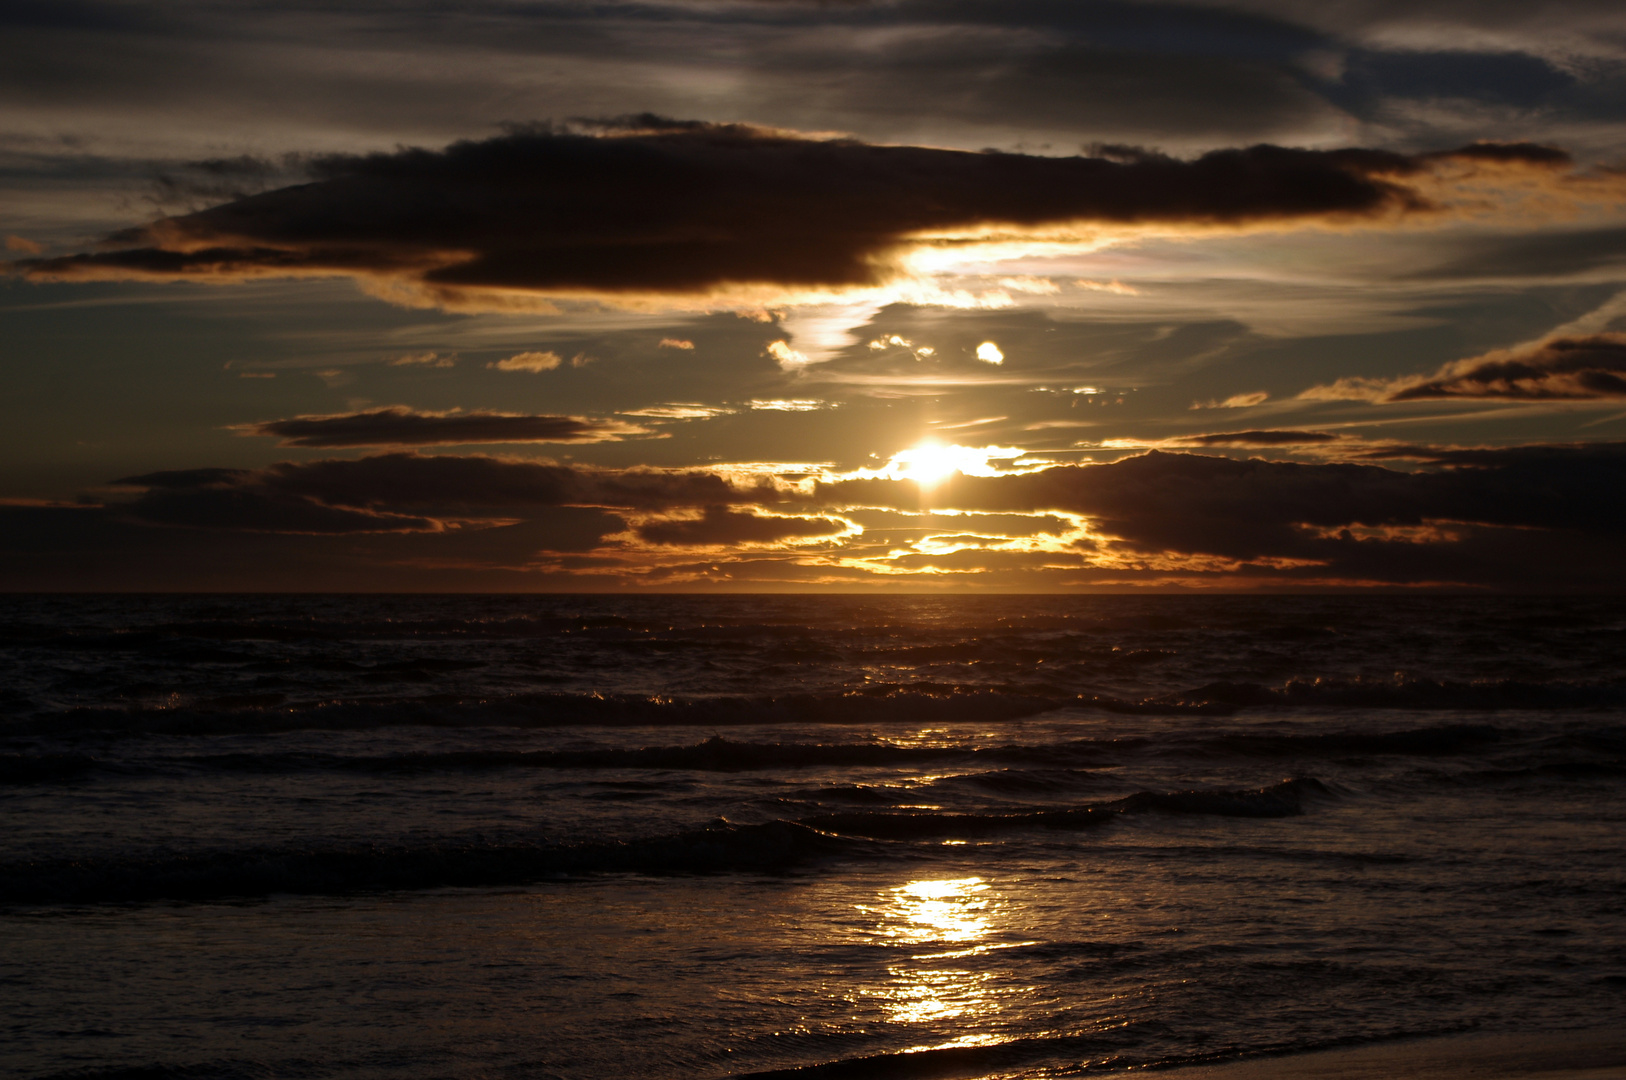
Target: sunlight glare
939, 985
931, 463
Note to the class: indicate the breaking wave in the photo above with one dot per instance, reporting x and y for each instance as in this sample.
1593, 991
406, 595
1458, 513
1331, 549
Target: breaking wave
920, 704
767, 847
999, 768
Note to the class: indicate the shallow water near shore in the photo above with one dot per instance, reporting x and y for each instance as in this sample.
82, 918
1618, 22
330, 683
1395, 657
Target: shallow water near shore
835, 836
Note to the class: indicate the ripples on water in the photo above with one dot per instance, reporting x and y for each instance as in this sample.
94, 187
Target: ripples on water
681, 836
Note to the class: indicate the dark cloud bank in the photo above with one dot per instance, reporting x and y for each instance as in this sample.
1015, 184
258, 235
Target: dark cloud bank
1253, 509
409, 492
648, 205
719, 525
404, 427
1529, 518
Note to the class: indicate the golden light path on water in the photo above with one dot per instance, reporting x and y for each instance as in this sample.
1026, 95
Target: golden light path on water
943, 924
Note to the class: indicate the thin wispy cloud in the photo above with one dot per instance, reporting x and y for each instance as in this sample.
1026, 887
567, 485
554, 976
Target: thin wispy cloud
1560, 369
533, 362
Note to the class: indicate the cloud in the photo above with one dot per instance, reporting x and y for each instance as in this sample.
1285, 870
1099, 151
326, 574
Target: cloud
406, 492
1235, 401
424, 359
788, 357
398, 426
676, 343
651, 208
229, 499
989, 353
1154, 502
890, 341
680, 411
99, 547
718, 525
23, 244
1113, 286
533, 362
788, 404
1513, 518
1351, 521
1559, 369
1260, 438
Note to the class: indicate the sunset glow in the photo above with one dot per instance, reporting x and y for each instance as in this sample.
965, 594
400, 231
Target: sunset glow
1340, 314
707, 539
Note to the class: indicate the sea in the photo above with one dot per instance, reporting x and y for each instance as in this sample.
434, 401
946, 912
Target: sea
799, 836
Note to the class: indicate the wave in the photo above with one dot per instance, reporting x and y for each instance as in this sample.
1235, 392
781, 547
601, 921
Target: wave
542, 710
295, 629
155, 710
1120, 1048
1551, 770
1408, 693
948, 1062
771, 847
1004, 769
47, 768
1412, 742
768, 847
1284, 799
211, 1070
715, 754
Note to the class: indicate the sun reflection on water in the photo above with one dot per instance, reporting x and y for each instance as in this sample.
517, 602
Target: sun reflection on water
954, 910
942, 924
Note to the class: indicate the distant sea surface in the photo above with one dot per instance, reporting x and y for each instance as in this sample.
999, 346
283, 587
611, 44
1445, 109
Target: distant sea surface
673, 837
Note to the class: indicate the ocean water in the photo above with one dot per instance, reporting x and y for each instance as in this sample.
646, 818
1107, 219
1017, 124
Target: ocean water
516, 837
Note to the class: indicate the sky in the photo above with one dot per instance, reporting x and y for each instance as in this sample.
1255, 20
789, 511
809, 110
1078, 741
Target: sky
784, 295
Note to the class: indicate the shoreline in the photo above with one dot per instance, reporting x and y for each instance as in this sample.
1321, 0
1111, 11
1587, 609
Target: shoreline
1592, 1054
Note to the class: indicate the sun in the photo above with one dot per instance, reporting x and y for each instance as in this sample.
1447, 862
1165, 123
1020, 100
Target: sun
930, 463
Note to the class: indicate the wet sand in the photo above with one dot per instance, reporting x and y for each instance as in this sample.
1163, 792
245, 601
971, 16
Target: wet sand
1578, 1055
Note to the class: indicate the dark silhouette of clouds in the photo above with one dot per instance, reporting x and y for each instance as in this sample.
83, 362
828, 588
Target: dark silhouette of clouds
1559, 369
1504, 518
408, 492
255, 508
1348, 519
101, 548
403, 427
654, 206
718, 525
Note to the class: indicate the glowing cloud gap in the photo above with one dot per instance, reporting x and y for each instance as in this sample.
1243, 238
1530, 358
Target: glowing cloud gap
720, 526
